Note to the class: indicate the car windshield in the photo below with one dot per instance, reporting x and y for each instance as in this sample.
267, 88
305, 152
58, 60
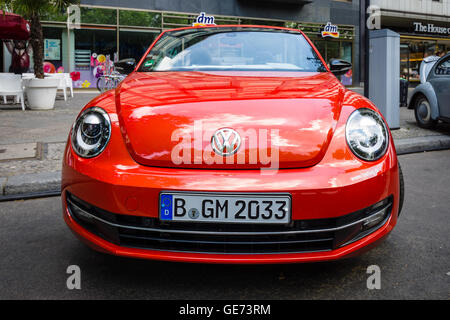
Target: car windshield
240, 49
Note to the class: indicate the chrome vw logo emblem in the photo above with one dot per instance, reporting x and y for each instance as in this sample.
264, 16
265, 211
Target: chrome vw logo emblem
225, 142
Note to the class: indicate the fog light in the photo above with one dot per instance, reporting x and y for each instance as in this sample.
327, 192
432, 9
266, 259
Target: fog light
371, 220
374, 219
80, 213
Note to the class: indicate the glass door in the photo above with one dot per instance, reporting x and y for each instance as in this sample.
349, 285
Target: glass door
404, 61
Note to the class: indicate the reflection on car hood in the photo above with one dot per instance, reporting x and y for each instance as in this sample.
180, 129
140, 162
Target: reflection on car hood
291, 114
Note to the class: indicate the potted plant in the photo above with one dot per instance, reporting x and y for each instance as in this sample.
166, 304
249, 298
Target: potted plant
40, 91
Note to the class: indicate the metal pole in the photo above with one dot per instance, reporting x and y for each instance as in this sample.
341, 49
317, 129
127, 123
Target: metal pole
117, 35
69, 57
362, 39
366, 47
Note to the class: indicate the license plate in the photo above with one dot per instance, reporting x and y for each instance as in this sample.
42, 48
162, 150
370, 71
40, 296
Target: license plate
225, 208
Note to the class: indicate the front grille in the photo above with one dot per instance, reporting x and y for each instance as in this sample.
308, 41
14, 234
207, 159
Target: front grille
154, 234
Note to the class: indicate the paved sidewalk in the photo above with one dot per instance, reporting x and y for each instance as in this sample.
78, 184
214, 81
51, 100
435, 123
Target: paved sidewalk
32, 143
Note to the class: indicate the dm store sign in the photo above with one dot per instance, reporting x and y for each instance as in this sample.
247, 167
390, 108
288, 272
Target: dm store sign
330, 30
204, 20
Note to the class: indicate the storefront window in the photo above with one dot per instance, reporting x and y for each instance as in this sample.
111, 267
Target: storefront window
346, 53
96, 40
444, 46
332, 50
412, 52
52, 50
94, 52
133, 44
337, 50
417, 51
405, 70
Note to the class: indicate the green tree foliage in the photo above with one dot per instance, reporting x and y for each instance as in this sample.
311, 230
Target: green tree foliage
140, 18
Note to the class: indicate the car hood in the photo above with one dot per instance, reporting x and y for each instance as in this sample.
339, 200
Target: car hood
284, 119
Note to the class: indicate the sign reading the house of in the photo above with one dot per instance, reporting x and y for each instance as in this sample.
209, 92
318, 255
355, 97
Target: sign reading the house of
330, 30
430, 28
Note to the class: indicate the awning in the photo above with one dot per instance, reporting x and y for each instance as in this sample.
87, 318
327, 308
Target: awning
13, 26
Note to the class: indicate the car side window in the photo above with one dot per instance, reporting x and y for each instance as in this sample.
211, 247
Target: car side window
443, 68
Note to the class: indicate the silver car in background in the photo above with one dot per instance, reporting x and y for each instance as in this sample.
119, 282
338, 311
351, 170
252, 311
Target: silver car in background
431, 100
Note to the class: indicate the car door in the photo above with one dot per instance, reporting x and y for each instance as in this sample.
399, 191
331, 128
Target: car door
440, 80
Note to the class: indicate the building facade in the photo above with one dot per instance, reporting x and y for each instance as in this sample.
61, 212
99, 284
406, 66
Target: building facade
424, 28
111, 29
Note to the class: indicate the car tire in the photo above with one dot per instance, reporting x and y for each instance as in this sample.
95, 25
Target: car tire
422, 112
402, 189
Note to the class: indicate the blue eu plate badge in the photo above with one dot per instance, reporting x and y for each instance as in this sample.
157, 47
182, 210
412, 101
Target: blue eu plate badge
165, 207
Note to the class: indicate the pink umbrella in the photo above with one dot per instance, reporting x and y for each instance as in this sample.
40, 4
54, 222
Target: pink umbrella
13, 26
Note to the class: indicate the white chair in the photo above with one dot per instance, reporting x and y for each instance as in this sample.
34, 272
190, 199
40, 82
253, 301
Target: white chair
62, 85
25, 78
8, 74
69, 83
28, 76
11, 85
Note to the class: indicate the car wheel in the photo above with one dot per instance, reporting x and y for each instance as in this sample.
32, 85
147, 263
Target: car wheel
402, 189
422, 111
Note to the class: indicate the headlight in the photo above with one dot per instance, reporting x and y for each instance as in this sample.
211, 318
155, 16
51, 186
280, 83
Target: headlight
91, 132
367, 134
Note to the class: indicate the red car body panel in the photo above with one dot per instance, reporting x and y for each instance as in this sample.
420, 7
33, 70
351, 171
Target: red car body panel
241, 100
317, 168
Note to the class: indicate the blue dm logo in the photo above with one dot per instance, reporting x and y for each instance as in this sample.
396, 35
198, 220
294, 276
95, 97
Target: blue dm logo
165, 208
204, 20
330, 30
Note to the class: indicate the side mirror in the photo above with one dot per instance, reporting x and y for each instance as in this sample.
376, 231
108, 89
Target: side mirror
125, 66
339, 67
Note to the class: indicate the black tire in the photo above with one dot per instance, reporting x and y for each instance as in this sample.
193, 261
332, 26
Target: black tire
402, 189
101, 84
422, 112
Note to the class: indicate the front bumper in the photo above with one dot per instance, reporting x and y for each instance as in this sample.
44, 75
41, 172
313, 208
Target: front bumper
228, 241
326, 220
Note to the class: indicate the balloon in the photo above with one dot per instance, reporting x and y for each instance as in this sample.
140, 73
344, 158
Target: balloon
49, 67
101, 58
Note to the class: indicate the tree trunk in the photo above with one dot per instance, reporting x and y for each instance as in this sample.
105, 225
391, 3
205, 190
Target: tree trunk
37, 43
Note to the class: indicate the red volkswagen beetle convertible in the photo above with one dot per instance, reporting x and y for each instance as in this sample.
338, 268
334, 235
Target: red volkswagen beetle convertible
231, 144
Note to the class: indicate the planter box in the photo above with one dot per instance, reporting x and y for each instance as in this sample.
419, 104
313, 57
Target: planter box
41, 93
